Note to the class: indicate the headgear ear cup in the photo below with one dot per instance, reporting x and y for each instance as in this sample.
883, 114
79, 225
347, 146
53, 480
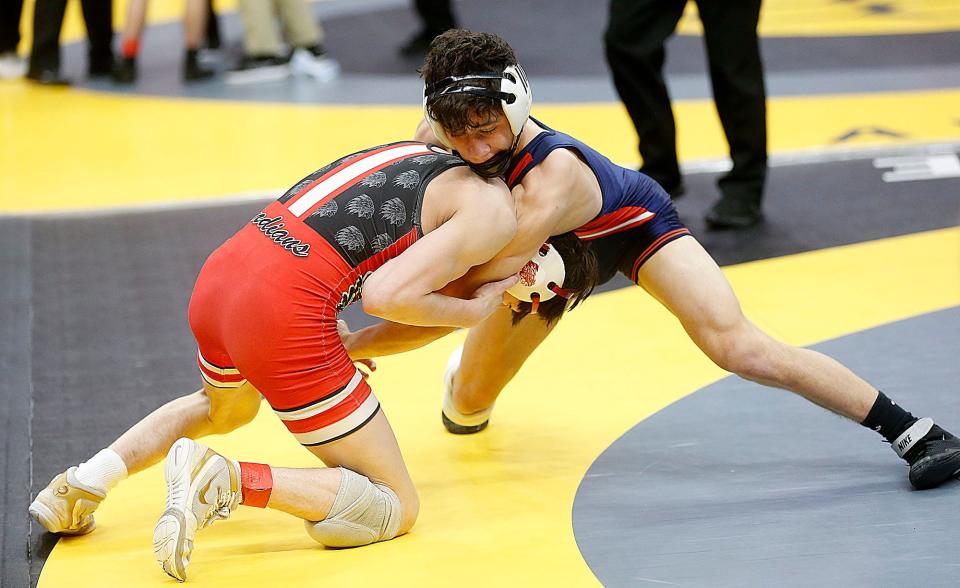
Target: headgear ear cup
514, 83
541, 276
435, 126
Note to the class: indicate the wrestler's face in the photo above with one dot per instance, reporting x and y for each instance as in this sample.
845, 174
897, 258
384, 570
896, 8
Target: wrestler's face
484, 138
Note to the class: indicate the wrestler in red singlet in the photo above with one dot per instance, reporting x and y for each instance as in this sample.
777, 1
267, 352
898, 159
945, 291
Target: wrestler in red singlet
265, 305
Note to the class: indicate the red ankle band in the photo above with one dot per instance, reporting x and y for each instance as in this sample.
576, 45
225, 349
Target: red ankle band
257, 482
130, 47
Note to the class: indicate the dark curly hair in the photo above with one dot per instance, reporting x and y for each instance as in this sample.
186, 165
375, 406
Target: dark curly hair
460, 52
582, 274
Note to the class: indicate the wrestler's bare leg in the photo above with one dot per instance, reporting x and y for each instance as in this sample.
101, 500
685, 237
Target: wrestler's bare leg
685, 279
371, 451
207, 411
492, 355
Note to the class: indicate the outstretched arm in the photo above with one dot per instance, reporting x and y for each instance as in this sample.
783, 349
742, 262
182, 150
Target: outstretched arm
388, 338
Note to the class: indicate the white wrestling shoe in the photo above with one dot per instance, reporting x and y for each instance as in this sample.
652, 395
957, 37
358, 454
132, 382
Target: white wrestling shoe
66, 506
202, 487
455, 421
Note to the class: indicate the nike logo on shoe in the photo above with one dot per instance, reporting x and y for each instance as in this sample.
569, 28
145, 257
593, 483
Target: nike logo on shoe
203, 494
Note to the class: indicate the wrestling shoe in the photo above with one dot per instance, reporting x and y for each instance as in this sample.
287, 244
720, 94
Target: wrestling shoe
455, 421
66, 506
933, 454
202, 487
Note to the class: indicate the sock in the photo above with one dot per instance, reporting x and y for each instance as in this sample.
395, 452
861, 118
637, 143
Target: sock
257, 482
192, 56
103, 471
130, 47
888, 418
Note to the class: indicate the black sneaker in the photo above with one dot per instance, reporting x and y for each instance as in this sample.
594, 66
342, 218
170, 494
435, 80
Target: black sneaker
193, 71
125, 70
259, 68
733, 213
933, 454
48, 77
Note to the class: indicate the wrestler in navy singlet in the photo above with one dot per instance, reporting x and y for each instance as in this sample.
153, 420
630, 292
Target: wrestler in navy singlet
636, 218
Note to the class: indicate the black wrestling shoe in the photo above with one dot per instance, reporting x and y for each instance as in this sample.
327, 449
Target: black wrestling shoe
461, 429
933, 454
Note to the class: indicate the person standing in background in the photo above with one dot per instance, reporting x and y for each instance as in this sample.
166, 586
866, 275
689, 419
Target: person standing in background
11, 64
45, 53
194, 29
634, 42
437, 17
263, 56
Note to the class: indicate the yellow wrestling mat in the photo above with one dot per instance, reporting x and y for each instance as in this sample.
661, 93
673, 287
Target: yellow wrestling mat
78, 149
496, 507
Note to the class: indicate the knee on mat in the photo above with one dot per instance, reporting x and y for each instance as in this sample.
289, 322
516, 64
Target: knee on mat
364, 512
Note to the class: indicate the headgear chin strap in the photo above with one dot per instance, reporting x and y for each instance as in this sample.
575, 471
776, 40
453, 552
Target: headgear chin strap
497, 165
515, 100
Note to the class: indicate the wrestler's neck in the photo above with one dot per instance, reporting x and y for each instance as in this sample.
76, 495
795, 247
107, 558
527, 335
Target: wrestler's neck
530, 130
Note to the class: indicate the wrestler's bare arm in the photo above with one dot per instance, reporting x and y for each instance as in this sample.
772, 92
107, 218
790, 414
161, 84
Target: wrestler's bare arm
406, 289
535, 223
389, 338
554, 198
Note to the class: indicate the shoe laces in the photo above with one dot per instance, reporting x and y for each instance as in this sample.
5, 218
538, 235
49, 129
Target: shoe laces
221, 509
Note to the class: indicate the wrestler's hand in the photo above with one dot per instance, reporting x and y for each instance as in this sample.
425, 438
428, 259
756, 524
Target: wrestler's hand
346, 336
489, 297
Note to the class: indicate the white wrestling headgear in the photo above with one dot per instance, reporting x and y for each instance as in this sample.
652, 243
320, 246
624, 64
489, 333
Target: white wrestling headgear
514, 94
541, 279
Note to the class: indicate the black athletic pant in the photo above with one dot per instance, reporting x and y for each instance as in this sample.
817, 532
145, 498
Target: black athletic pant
47, 21
10, 24
634, 40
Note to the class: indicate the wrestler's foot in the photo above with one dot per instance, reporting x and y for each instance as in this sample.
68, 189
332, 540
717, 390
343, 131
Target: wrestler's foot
66, 506
202, 487
455, 421
933, 454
